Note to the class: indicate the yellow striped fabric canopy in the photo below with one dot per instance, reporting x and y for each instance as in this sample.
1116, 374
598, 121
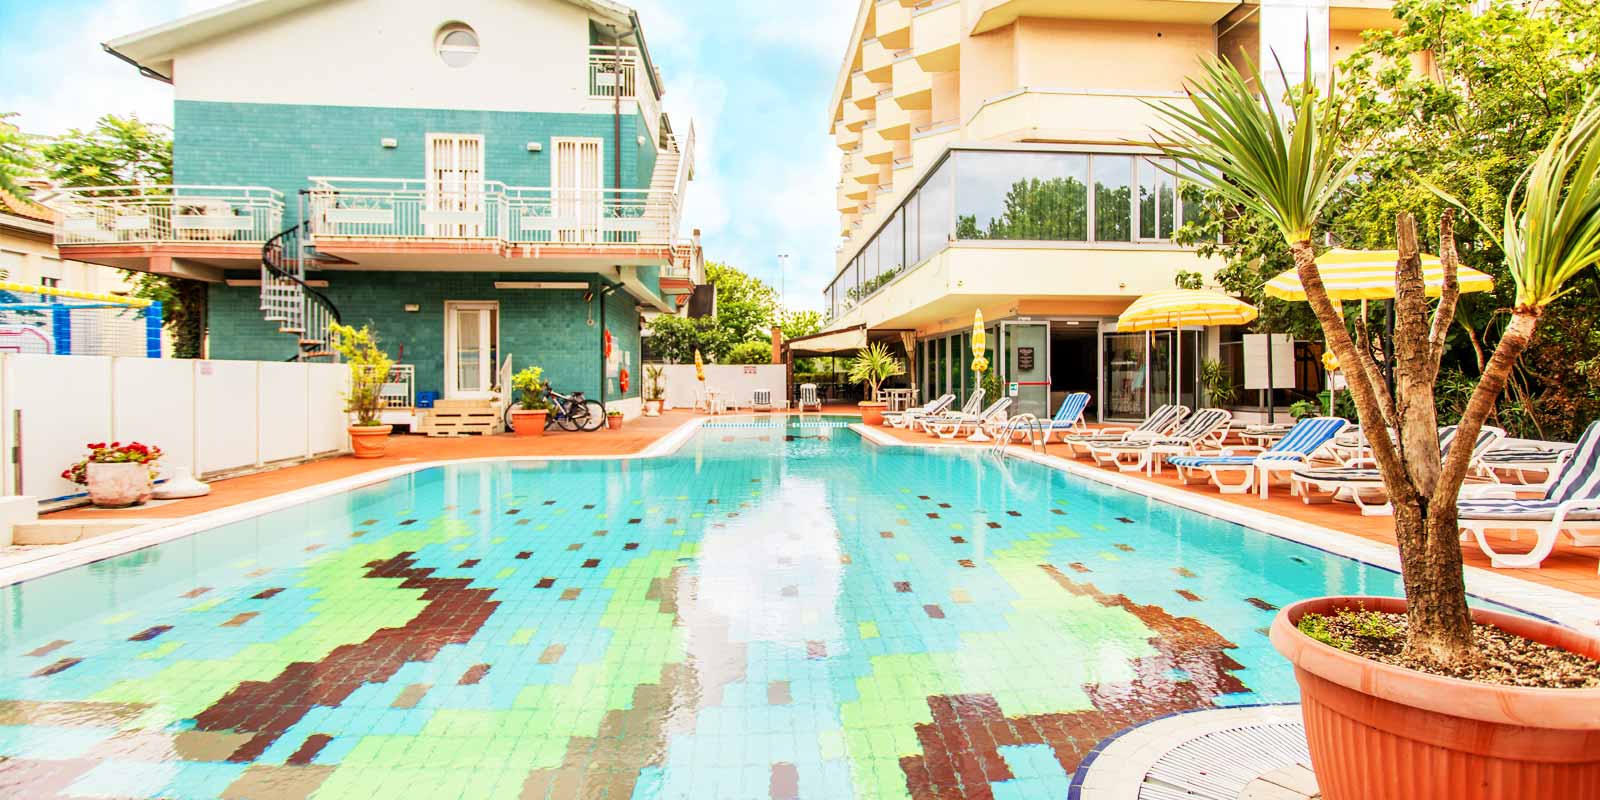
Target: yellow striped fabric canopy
1176, 307
1369, 275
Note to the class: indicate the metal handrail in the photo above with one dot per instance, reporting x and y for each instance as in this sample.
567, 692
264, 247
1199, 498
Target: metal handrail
1019, 423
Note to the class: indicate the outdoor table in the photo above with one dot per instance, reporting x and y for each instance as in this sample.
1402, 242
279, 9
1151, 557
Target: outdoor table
898, 399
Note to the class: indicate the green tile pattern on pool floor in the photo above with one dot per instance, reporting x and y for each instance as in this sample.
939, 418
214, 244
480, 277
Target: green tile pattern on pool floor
777, 610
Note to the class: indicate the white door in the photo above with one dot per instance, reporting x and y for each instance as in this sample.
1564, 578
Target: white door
575, 187
471, 343
455, 196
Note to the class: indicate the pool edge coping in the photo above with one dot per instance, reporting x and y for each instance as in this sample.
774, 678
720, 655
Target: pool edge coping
1567, 608
160, 531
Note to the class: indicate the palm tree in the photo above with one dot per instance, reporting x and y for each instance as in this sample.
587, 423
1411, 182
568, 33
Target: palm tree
16, 156
1286, 169
874, 365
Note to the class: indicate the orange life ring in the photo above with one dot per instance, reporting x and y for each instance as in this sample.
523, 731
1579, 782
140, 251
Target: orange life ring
606, 344
622, 379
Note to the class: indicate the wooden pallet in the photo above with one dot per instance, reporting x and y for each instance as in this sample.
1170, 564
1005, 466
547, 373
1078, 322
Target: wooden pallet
461, 418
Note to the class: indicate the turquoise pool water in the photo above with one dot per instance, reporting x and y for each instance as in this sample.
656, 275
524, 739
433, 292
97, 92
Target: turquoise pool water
777, 610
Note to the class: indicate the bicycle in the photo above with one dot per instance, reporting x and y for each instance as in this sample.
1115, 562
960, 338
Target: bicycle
574, 413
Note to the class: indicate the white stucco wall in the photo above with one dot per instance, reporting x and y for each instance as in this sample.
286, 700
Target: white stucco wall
533, 56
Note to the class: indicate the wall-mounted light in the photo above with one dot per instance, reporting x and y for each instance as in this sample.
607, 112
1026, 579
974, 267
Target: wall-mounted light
642, 141
534, 147
412, 308
389, 142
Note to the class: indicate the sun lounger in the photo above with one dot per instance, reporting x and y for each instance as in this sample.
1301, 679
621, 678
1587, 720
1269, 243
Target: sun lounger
968, 410
904, 419
1161, 422
1202, 431
951, 427
1293, 450
1570, 505
1069, 417
808, 398
1363, 484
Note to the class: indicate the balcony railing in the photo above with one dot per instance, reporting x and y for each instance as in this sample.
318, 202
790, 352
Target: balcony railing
167, 213
620, 71
382, 208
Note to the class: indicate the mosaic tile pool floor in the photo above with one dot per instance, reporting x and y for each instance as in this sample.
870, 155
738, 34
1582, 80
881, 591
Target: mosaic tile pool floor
779, 610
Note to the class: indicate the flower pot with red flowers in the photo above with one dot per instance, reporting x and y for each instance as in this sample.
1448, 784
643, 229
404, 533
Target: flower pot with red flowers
533, 408
369, 370
118, 475
614, 420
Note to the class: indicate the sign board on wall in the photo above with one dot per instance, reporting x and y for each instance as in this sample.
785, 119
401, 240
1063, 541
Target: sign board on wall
1011, 389
1024, 359
1255, 361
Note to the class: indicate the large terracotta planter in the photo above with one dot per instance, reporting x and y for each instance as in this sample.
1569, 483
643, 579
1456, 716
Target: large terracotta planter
871, 412
118, 485
369, 441
528, 423
1380, 732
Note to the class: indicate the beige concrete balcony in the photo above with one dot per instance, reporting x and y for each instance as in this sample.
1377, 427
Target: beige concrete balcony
864, 90
845, 203
936, 36
927, 145
874, 148
845, 138
993, 14
1357, 15
913, 87
1079, 115
894, 25
862, 171
893, 122
855, 117
876, 61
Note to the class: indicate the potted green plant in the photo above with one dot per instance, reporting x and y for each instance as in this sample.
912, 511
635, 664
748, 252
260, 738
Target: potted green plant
369, 371
652, 390
871, 367
1219, 386
117, 475
533, 408
1412, 708
614, 420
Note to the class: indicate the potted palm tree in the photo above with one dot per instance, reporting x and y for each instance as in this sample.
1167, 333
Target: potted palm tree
369, 370
652, 390
529, 416
871, 367
1427, 716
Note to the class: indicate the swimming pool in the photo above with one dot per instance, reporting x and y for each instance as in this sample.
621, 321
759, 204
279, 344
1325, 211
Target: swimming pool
778, 609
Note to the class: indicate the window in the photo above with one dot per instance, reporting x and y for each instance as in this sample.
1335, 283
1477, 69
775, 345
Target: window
936, 215
1113, 198
1022, 196
456, 44
50, 282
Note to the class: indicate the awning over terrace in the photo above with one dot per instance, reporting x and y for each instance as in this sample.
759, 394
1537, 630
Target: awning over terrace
847, 340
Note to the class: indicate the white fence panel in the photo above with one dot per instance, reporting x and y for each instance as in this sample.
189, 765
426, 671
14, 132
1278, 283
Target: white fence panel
227, 415
63, 400
154, 404
325, 405
737, 382
284, 426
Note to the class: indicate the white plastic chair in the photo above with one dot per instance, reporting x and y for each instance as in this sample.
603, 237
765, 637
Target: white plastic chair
808, 397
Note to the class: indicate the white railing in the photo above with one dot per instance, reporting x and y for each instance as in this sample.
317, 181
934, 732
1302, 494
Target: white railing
418, 209
400, 387
166, 213
685, 150
620, 71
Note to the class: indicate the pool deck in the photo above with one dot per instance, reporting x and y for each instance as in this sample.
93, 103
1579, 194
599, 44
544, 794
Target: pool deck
1568, 568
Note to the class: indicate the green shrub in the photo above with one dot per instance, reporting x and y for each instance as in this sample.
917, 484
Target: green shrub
750, 353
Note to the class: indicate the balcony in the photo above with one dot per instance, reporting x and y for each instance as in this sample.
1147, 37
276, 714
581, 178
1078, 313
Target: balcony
621, 70
479, 224
893, 121
876, 61
875, 148
845, 138
132, 226
936, 36
864, 90
855, 117
894, 25
1068, 115
913, 87
993, 14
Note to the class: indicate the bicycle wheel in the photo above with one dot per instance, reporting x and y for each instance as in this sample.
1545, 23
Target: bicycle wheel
571, 417
593, 415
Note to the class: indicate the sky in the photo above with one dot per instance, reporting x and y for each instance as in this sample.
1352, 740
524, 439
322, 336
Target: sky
754, 76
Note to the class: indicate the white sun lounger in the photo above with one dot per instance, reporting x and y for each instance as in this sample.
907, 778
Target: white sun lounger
1571, 505
904, 419
951, 427
1202, 431
1161, 422
968, 410
1358, 482
1292, 451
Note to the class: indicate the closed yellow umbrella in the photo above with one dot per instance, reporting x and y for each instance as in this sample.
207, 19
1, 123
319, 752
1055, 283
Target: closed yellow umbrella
1369, 275
980, 343
1175, 308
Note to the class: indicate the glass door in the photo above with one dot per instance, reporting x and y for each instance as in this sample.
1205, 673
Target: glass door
1161, 374
1027, 360
1124, 368
472, 332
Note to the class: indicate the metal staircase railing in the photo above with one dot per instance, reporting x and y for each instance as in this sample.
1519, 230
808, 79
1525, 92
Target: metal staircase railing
1021, 423
288, 300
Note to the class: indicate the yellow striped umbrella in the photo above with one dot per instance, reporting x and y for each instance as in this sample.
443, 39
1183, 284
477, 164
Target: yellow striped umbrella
1175, 308
1369, 275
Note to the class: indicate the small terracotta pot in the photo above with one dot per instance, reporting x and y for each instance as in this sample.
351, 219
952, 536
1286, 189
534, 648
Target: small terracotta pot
369, 441
871, 412
528, 423
614, 422
1381, 732
119, 485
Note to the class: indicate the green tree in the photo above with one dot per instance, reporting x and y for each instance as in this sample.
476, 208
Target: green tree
1286, 170
674, 339
1049, 209
746, 305
18, 158
749, 353
126, 151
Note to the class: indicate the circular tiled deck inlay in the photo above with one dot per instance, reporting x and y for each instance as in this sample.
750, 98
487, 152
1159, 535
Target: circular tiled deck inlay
1251, 753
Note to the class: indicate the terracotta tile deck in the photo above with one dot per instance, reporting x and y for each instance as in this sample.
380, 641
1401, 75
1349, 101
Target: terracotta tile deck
1571, 568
